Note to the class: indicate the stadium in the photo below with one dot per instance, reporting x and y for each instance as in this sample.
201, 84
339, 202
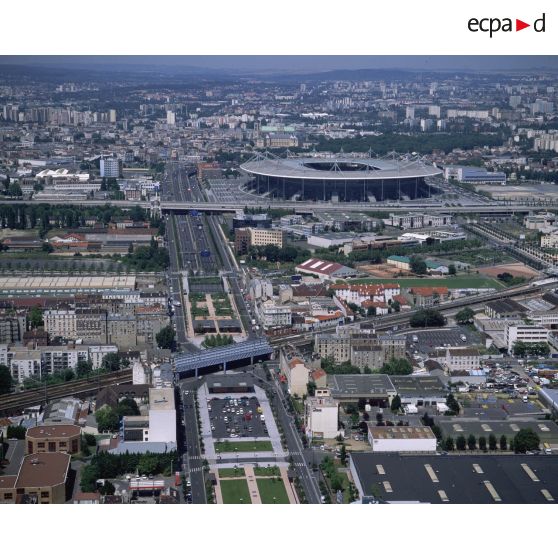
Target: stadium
340, 178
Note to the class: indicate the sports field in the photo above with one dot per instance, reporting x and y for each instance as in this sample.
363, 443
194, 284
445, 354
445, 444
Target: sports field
459, 282
235, 491
272, 488
234, 447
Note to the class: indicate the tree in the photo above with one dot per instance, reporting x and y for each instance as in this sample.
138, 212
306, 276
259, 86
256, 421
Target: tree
84, 368
16, 432
522, 349
127, 408
449, 444
503, 442
35, 317
165, 338
418, 265
526, 440
461, 443
311, 388
451, 269
397, 367
465, 316
427, 317
343, 454
107, 489
471, 442
396, 403
89, 439
111, 362
107, 419
452, 403
482, 443
492, 442
5, 380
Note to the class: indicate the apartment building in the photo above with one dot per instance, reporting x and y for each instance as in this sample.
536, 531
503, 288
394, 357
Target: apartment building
245, 238
271, 315
362, 347
321, 415
525, 333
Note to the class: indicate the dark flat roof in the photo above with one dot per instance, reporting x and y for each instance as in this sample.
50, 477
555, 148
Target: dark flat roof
419, 386
40, 470
465, 479
360, 385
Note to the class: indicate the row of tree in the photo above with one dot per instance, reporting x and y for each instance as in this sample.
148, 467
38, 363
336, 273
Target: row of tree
525, 440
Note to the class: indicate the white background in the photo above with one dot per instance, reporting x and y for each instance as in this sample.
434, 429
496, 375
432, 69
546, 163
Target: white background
270, 27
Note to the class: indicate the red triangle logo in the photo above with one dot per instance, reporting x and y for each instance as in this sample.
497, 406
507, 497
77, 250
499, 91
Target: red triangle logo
519, 25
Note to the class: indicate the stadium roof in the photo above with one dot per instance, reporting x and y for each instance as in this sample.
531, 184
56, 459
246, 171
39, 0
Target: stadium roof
338, 167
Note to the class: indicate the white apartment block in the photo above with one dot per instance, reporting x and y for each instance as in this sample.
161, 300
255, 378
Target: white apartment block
525, 333
271, 315
321, 415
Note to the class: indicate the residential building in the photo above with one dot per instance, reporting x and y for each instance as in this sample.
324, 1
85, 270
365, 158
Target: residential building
247, 237
110, 167
272, 316
321, 415
525, 333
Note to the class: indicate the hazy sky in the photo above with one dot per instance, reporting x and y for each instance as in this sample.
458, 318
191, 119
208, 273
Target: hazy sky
300, 63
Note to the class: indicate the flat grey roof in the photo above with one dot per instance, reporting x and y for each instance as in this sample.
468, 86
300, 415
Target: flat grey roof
462, 479
359, 385
418, 386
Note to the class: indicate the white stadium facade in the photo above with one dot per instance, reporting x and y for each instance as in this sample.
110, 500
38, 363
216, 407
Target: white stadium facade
340, 178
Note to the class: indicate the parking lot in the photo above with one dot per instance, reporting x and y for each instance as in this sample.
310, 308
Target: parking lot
237, 418
425, 341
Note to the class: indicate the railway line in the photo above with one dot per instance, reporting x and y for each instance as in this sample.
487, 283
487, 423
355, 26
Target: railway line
391, 320
15, 402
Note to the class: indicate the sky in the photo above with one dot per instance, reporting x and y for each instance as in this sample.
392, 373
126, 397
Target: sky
295, 64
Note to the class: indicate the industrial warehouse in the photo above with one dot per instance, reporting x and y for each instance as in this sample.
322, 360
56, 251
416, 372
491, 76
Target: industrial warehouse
340, 178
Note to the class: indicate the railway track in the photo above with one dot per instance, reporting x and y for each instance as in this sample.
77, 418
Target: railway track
385, 322
18, 401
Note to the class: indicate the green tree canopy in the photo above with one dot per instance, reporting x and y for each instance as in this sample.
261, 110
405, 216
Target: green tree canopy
5, 379
465, 316
165, 338
397, 367
427, 317
526, 440
107, 419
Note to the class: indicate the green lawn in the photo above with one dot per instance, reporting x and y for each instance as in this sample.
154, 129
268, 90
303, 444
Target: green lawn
231, 472
459, 282
272, 488
233, 447
235, 492
267, 471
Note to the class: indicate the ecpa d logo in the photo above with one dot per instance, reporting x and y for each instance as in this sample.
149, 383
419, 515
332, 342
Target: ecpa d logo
495, 24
